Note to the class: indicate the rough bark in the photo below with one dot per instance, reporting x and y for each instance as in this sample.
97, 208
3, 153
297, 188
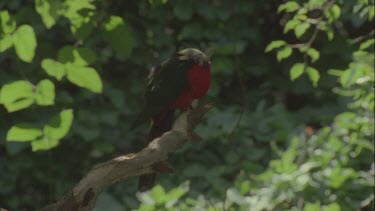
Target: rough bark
83, 196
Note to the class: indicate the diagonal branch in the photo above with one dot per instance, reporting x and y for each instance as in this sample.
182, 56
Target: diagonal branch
84, 194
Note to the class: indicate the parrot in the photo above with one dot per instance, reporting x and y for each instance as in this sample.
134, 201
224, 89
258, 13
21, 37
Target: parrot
174, 84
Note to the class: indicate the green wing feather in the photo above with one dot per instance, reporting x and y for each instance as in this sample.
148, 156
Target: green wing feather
165, 85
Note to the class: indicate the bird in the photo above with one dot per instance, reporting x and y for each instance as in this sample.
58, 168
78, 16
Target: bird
172, 85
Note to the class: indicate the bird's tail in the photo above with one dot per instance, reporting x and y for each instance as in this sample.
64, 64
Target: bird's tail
161, 123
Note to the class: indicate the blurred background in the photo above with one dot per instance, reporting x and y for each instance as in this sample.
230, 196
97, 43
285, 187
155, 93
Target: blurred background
292, 81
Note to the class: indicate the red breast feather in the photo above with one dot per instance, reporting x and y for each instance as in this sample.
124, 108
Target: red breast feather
199, 78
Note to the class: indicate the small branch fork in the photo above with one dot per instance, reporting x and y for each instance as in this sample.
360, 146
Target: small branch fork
83, 196
316, 22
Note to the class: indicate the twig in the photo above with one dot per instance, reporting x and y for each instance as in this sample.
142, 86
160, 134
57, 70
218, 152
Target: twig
314, 35
363, 37
83, 196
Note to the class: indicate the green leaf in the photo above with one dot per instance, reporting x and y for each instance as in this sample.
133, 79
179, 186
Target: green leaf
316, 3
313, 75
17, 95
337, 176
49, 11
234, 196
363, 45
80, 14
291, 24
7, 23
54, 68
158, 194
176, 193
117, 33
24, 41
23, 132
312, 207
77, 56
45, 92
86, 77
371, 12
328, 30
82, 26
332, 207
285, 52
59, 125
6, 42
314, 54
296, 71
333, 13
289, 6
43, 144
300, 29
73, 8
275, 44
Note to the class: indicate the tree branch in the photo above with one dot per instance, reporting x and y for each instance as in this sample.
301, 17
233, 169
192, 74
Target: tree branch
83, 196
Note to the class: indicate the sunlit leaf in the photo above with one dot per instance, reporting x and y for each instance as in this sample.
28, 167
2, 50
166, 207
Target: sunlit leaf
23, 132
158, 194
333, 13
54, 68
80, 14
7, 23
291, 24
338, 175
145, 198
48, 10
24, 41
6, 42
300, 29
43, 143
312, 206
289, 6
296, 71
314, 75
283, 53
82, 26
86, 77
275, 44
176, 193
45, 92
316, 3
314, 54
59, 125
17, 95
332, 207
72, 8
117, 34
363, 45
371, 12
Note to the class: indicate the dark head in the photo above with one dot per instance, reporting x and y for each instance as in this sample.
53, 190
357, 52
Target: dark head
195, 55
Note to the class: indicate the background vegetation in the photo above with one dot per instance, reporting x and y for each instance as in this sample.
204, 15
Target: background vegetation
293, 83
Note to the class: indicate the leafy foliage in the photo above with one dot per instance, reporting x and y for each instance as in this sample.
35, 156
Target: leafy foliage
291, 133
